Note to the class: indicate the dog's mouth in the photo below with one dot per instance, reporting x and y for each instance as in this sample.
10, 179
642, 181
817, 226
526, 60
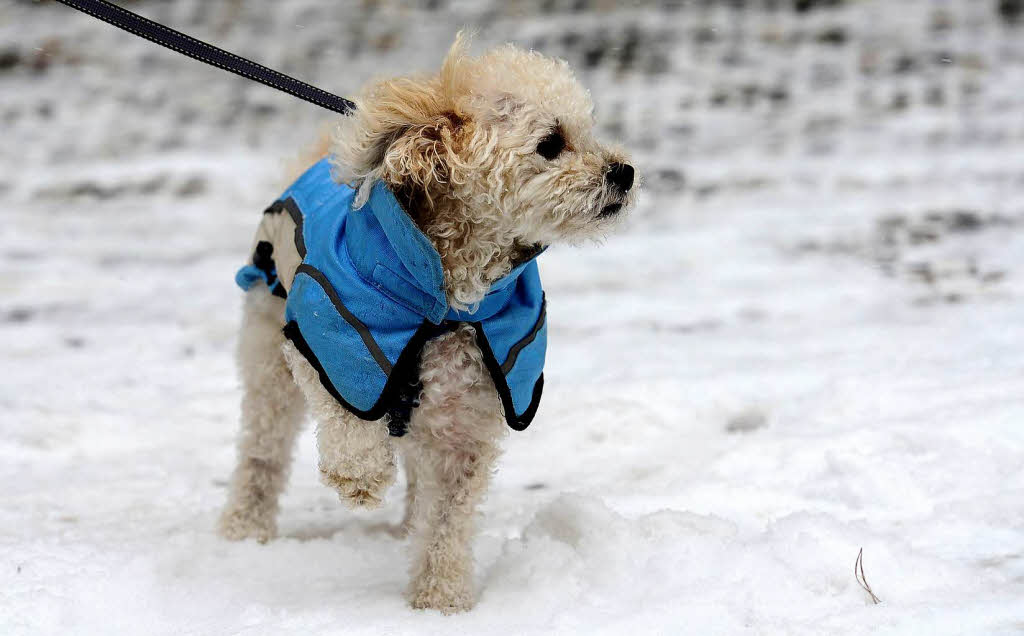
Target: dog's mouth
609, 210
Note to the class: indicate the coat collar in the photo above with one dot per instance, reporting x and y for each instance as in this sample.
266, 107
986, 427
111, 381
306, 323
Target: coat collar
421, 260
414, 249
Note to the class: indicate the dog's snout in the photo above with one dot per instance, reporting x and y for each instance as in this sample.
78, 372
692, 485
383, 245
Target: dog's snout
620, 175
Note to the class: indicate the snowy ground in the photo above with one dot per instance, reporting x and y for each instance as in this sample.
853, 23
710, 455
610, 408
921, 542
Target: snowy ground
808, 341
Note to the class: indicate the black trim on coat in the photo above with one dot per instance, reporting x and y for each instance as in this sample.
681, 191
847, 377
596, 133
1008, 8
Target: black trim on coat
293, 210
515, 422
350, 318
513, 353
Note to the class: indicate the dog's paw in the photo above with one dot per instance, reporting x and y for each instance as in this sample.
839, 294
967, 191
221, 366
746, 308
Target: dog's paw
240, 524
366, 491
445, 599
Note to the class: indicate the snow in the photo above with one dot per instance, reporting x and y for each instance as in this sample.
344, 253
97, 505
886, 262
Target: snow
806, 341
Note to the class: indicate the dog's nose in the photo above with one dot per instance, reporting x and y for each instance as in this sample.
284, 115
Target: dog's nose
620, 175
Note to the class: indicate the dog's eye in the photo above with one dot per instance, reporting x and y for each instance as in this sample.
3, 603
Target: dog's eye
552, 145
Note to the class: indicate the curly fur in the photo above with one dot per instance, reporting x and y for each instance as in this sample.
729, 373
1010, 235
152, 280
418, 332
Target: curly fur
460, 150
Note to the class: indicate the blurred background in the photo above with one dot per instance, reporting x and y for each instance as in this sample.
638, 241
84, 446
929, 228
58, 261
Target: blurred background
806, 338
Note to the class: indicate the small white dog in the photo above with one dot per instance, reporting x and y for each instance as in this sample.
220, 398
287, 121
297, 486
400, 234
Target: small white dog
394, 293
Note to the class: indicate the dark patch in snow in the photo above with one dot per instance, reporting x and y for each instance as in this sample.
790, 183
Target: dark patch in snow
190, 186
746, 422
1011, 11
74, 342
19, 314
835, 36
666, 180
936, 249
193, 186
10, 58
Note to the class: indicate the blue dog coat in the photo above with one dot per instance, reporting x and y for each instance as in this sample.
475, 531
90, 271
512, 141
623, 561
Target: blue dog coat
369, 293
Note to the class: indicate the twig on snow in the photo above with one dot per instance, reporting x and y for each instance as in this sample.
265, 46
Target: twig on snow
858, 573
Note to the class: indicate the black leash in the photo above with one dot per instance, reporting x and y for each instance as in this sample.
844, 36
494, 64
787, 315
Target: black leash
199, 50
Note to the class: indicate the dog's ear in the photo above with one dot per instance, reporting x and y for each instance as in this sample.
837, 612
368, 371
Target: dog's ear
404, 131
421, 156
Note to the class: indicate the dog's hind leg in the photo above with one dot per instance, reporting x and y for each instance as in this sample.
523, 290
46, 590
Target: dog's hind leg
272, 414
357, 457
453, 440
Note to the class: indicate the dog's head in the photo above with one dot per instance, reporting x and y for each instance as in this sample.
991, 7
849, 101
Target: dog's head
493, 157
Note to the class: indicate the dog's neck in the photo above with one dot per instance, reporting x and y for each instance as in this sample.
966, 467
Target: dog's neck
473, 255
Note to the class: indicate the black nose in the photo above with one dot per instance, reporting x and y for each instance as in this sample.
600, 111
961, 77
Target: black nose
620, 175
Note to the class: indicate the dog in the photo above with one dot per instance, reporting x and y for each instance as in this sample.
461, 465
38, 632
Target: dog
393, 292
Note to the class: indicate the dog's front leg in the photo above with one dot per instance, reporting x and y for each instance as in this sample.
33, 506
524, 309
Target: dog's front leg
357, 458
453, 442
